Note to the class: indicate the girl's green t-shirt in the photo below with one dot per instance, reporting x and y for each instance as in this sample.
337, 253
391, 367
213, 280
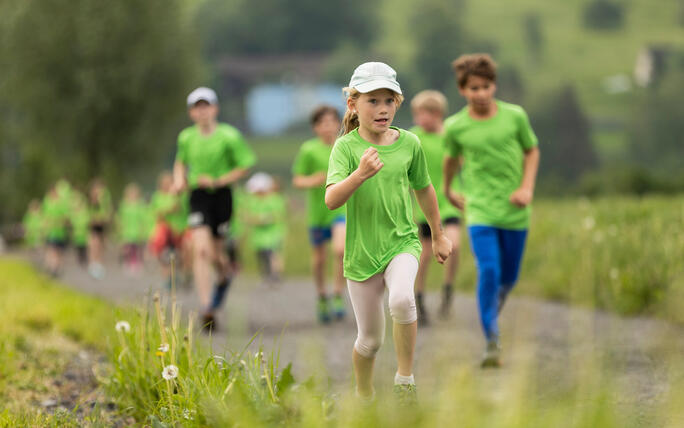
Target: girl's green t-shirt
266, 214
80, 219
493, 154
33, 228
380, 212
133, 222
313, 157
54, 213
213, 155
434, 149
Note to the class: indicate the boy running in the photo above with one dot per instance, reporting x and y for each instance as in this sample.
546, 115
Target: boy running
428, 108
372, 169
133, 228
309, 170
211, 157
498, 150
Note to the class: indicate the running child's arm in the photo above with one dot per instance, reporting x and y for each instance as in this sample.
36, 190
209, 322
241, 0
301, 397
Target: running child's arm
523, 195
427, 199
337, 194
179, 181
451, 166
309, 181
230, 177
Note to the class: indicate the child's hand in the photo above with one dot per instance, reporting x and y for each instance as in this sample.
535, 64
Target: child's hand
441, 247
370, 163
521, 197
205, 182
456, 199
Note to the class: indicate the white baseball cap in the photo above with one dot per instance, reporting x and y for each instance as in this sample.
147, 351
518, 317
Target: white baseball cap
202, 94
260, 182
370, 76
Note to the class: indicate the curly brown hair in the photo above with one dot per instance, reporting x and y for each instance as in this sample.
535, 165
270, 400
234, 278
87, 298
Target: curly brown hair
479, 64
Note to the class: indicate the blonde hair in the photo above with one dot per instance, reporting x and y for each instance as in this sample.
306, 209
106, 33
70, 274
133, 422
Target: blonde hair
350, 121
430, 100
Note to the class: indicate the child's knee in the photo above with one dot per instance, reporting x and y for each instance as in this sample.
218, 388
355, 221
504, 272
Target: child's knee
368, 346
402, 307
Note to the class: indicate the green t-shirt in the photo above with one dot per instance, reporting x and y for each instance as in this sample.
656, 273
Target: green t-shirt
133, 221
380, 212
80, 219
54, 213
266, 214
313, 157
493, 153
213, 155
33, 228
101, 209
433, 147
172, 209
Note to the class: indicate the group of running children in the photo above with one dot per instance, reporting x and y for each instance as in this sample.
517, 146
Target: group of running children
476, 167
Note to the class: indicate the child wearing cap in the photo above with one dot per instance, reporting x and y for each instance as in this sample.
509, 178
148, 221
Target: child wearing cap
264, 213
309, 171
498, 150
211, 157
372, 169
428, 108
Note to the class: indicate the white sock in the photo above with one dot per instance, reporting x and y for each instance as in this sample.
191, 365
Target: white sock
403, 380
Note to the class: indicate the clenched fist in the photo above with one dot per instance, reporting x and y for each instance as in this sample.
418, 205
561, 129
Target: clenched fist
370, 163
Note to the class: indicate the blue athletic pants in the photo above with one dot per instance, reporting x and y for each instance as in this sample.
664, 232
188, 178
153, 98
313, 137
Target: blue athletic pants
498, 253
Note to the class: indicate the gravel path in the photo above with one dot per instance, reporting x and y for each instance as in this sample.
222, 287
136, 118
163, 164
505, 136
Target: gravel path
548, 342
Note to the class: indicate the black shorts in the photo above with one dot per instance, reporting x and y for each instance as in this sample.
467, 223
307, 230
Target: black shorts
212, 209
59, 244
424, 228
98, 228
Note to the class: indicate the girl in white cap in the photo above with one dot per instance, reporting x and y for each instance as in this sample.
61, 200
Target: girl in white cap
372, 168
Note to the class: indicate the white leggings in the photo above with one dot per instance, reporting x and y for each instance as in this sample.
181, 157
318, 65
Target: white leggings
366, 298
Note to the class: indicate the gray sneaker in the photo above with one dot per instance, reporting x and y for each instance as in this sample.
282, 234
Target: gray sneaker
492, 355
406, 394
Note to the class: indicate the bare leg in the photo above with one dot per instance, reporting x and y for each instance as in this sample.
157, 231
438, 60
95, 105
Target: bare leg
404, 345
363, 373
453, 232
202, 263
338, 237
318, 266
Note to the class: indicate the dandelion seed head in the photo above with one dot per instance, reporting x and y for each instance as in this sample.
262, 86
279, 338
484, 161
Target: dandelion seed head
123, 326
170, 372
589, 222
164, 347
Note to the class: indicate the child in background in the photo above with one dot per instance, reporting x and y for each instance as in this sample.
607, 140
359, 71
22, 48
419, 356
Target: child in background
372, 169
170, 216
497, 147
32, 224
132, 228
101, 210
264, 213
309, 170
55, 217
428, 108
80, 219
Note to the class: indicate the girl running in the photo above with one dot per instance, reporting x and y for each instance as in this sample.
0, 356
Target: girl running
372, 168
428, 108
100, 217
211, 157
498, 149
133, 228
309, 170
55, 217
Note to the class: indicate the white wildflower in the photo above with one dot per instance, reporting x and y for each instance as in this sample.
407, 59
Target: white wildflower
589, 223
123, 326
170, 372
187, 414
164, 347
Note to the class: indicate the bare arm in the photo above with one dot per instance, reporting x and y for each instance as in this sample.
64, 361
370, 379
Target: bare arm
427, 199
179, 181
231, 177
450, 167
309, 181
337, 194
524, 194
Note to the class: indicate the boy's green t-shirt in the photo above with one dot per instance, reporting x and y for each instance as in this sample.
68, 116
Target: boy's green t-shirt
313, 157
266, 214
133, 222
214, 155
54, 213
433, 147
380, 212
173, 209
493, 153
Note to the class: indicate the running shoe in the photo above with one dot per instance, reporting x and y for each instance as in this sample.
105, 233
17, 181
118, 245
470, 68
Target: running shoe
96, 270
492, 355
406, 394
338, 307
323, 311
447, 297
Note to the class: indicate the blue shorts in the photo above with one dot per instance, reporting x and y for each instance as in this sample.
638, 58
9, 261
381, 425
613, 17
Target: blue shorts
318, 235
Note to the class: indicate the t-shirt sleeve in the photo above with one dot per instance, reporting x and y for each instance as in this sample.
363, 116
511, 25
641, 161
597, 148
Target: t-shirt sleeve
339, 165
527, 137
242, 154
451, 145
302, 163
418, 172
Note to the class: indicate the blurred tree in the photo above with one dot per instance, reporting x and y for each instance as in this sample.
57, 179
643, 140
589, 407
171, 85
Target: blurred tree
657, 124
534, 36
93, 88
509, 84
238, 27
564, 136
603, 15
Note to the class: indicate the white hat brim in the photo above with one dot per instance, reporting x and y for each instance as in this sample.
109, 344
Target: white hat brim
373, 85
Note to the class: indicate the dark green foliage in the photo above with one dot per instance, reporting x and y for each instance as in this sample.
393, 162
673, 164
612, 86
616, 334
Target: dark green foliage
509, 84
603, 15
534, 36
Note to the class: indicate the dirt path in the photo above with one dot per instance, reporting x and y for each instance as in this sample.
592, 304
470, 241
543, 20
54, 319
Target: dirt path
552, 341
